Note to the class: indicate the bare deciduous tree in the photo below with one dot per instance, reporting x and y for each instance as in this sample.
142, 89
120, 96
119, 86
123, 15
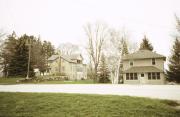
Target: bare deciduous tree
96, 35
68, 48
119, 40
133, 46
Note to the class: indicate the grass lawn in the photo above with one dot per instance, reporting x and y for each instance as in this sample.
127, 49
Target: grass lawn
13, 81
9, 80
78, 105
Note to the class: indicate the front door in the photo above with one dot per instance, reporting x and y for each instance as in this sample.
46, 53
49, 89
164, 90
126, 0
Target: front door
142, 78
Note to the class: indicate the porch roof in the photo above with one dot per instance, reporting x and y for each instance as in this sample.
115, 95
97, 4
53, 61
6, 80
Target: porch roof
139, 69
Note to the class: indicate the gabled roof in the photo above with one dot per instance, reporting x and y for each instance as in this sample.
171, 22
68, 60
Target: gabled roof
75, 56
139, 69
53, 57
143, 54
68, 58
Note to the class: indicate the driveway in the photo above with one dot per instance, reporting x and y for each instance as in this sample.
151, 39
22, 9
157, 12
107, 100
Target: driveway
171, 92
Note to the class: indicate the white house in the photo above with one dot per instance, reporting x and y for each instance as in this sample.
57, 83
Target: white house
143, 67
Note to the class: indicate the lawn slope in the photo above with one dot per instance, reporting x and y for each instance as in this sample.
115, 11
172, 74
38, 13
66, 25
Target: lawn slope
77, 105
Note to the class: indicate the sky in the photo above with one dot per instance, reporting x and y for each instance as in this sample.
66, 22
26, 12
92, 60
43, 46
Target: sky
61, 21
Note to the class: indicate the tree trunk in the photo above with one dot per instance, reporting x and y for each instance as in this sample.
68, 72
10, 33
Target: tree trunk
5, 69
95, 71
112, 77
117, 75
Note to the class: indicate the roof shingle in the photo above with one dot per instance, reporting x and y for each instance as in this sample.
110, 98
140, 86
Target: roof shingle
143, 54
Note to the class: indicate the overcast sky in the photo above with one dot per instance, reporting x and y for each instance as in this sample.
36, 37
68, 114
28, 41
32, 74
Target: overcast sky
62, 21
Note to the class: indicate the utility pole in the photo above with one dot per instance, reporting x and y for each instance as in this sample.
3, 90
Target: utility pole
29, 46
59, 53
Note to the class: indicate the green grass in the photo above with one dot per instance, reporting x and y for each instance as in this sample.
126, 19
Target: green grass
9, 80
78, 105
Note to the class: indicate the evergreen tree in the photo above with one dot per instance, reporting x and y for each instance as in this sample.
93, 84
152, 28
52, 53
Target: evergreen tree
103, 71
174, 63
124, 48
177, 23
15, 55
8, 52
19, 62
40, 53
47, 51
124, 52
174, 66
146, 45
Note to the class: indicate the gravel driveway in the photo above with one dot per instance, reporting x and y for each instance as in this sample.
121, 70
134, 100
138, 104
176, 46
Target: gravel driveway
171, 92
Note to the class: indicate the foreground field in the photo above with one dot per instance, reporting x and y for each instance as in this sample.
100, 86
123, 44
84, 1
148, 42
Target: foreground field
76, 105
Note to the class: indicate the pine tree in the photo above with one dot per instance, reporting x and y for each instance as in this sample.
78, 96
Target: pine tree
124, 52
177, 23
146, 45
174, 63
19, 62
47, 51
8, 52
103, 72
125, 48
15, 55
174, 66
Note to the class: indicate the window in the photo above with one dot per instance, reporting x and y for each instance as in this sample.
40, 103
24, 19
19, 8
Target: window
158, 75
131, 63
78, 61
154, 76
131, 76
127, 76
153, 61
149, 76
142, 75
135, 76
